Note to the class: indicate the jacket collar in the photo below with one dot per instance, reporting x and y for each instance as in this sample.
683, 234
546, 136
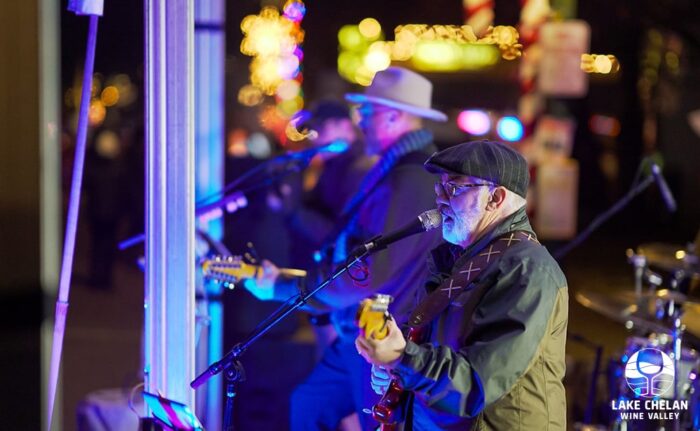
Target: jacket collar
446, 255
518, 221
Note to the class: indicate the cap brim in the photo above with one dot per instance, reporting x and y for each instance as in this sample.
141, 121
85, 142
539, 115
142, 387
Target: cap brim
431, 114
434, 168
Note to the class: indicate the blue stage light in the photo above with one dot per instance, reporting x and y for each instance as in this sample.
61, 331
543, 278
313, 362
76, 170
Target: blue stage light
510, 129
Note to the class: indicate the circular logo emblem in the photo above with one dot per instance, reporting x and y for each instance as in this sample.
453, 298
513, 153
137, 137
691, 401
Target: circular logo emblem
649, 373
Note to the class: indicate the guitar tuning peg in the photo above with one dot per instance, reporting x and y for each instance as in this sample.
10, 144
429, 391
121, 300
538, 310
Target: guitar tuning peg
217, 259
230, 259
231, 286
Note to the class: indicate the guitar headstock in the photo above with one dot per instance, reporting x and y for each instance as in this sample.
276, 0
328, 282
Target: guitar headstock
372, 316
228, 269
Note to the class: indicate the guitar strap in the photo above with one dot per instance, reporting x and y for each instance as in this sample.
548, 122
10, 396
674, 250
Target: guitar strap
463, 279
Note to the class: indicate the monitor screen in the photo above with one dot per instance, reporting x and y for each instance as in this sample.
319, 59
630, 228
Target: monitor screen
171, 413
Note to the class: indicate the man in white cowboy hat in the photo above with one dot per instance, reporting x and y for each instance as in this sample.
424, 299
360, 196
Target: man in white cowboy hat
395, 191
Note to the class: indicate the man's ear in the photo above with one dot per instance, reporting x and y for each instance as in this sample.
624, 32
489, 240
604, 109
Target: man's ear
498, 197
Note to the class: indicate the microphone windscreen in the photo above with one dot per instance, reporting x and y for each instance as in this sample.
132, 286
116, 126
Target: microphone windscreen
431, 219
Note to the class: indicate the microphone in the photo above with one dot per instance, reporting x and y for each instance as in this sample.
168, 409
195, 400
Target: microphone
663, 188
424, 222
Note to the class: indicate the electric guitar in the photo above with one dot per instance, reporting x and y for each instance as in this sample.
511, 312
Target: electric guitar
390, 410
371, 319
232, 269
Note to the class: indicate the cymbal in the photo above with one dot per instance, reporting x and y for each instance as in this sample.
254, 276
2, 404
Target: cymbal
637, 312
670, 257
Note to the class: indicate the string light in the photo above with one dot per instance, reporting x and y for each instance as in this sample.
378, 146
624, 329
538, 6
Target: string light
274, 41
445, 48
597, 63
370, 28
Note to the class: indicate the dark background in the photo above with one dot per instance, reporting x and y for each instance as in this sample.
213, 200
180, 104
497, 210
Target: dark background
618, 27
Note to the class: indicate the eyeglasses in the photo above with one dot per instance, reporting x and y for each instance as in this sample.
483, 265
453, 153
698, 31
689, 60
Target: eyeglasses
368, 110
451, 189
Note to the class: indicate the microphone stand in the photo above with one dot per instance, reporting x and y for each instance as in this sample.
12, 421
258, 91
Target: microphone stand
231, 364
288, 164
602, 218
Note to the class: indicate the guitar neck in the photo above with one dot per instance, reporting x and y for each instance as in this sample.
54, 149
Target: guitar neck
292, 272
232, 269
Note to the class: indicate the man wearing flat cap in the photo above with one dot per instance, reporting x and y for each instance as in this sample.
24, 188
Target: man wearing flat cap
494, 313
395, 191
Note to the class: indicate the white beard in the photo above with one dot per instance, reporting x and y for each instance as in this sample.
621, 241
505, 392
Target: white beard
459, 229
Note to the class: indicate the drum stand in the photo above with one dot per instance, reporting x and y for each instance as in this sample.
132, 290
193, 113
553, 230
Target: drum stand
677, 337
671, 310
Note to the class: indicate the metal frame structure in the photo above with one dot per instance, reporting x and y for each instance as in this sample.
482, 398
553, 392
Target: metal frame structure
170, 296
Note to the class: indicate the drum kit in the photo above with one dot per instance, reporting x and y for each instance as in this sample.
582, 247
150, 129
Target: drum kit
663, 312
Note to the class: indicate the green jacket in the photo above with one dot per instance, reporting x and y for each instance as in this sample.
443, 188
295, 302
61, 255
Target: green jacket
500, 365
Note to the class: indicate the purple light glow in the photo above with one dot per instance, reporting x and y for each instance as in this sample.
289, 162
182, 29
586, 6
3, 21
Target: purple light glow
474, 122
299, 53
294, 10
288, 67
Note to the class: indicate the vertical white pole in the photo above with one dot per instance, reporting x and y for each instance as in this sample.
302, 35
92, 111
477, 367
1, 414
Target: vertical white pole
169, 297
50, 224
209, 53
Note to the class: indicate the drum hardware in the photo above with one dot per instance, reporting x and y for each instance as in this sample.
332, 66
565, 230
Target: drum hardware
672, 257
662, 308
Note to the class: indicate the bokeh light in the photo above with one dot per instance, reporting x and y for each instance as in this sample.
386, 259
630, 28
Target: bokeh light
110, 96
377, 60
597, 63
604, 125
96, 112
249, 95
370, 28
510, 129
259, 145
602, 64
474, 122
350, 37
288, 89
294, 10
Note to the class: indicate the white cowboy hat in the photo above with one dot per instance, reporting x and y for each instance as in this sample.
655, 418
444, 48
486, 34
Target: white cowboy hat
400, 89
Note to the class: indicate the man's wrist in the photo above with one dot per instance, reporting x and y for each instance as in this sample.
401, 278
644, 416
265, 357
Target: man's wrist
407, 364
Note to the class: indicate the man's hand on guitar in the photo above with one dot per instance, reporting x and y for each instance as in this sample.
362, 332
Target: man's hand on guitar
262, 286
380, 379
385, 352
